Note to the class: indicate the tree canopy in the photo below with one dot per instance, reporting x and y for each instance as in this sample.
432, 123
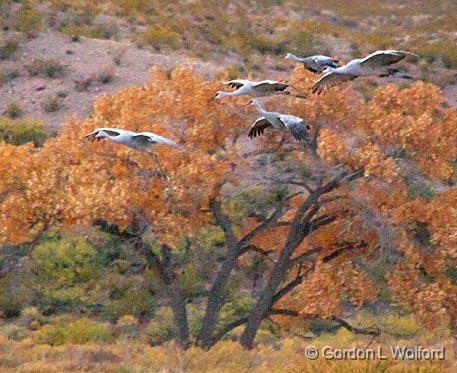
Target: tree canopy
378, 181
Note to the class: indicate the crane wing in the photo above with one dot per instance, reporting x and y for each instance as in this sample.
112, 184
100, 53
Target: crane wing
149, 138
111, 132
258, 128
329, 80
238, 83
316, 63
296, 126
384, 58
142, 141
270, 85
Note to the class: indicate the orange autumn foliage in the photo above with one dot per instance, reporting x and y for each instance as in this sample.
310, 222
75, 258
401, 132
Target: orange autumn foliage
69, 181
398, 136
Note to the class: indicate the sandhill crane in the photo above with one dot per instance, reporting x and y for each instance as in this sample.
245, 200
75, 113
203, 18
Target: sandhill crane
256, 89
376, 64
297, 126
142, 141
314, 63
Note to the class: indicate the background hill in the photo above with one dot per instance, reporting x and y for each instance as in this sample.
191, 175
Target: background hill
58, 55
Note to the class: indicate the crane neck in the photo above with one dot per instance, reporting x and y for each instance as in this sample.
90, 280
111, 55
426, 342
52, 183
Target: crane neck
294, 57
258, 106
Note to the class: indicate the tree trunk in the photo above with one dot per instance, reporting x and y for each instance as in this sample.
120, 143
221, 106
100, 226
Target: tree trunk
235, 248
264, 304
164, 269
299, 229
178, 306
215, 300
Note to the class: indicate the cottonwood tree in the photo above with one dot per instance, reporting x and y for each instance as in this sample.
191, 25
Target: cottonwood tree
355, 185
344, 200
70, 181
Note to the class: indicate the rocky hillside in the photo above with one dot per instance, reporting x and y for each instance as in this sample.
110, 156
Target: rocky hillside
56, 56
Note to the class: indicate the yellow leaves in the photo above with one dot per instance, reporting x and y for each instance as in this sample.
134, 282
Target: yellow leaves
331, 146
119, 168
374, 162
75, 182
429, 301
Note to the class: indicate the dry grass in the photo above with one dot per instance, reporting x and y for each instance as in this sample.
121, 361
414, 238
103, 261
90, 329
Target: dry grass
130, 356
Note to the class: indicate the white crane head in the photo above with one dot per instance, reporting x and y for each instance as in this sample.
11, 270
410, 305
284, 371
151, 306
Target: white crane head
288, 55
327, 69
219, 94
252, 102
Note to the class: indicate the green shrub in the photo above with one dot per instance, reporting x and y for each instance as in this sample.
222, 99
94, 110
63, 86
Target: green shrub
65, 261
21, 131
7, 75
27, 20
263, 44
51, 103
102, 31
128, 326
48, 68
14, 332
160, 329
13, 110
400, 326
10, 303
31, 318
118, 55
83, 84
446, 50
78, 332
106, 76
451, 273
303, 42
159, 37
8, 48
195, 316
64, 274
130, 301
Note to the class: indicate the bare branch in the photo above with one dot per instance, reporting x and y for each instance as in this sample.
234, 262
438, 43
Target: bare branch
289, 287
223, 221
285, 312
342, 248
227, 328
267, 223
324, 201
300, 258
367, 331
293, 182
320, 221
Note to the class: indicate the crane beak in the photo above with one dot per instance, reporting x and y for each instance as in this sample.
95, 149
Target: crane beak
212, 98
91, 137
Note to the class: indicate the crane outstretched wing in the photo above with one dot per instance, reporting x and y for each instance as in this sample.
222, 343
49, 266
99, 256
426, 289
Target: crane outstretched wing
150, 138
238, 83
329, 80
270, 85
296, 126
258, 128
384, 58
316, 63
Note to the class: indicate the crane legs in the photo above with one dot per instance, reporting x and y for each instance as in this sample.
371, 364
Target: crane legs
157, 166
